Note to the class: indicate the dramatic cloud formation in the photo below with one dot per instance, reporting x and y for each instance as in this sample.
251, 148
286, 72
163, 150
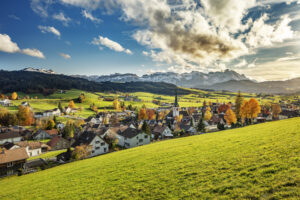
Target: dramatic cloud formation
65, 56
61, 17
8, 46
49, 29
104, 41
89, 16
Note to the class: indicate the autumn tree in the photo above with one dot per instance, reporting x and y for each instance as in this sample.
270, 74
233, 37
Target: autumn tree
2, 96
249, 110
72, 104
230, 117
25, 116
223, 108
151, 114
207, 115
238, 104
14, 96
191, 110
81, 152
178, 118
81, 98
276, 110
69, 130
142, 115
7, 118
116, 104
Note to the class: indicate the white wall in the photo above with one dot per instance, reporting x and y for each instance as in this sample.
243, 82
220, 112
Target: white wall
13, 140
99, 146
140, 139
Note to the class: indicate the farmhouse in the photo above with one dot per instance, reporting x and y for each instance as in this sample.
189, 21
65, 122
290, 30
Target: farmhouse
53, 112
12, 160
6, 102
97, 144
10, 137
58, 143
161, 132
32, 148
132, 137
41, 135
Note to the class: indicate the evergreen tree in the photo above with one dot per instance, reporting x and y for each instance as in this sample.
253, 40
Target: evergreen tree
221, 126
201, 126
60, 107
146, 128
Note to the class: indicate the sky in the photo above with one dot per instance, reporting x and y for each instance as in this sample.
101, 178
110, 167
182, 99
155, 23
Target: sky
260, 39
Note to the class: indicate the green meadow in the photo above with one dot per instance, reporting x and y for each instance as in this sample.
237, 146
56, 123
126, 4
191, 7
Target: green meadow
255, 162
195, 99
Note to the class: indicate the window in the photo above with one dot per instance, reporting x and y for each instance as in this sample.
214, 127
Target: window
97, 148
141, 140
146, 136
93, 151
127, 144
97, 142
10, 164
102, 144
104, 149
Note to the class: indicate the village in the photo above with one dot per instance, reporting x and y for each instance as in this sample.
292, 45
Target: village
25, 149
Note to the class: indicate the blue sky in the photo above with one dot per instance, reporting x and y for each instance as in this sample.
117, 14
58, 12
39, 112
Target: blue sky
257, 38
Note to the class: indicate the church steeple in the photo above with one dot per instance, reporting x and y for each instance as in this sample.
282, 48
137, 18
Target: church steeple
176, 101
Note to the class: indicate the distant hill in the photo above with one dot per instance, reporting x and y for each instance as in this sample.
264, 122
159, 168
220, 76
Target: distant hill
36, 82
272, 87
255, 162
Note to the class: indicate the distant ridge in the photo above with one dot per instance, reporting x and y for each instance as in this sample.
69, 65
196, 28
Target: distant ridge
41, 70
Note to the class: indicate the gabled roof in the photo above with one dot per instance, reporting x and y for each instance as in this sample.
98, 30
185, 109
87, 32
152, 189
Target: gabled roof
129, 132
8, 135
159, 129
8, 145
52, 132
85, 138
7, 156
31, 145
54, 140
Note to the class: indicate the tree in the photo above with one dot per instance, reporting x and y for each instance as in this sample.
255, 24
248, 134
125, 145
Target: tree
230, 117
116, 104
69, 130
60, 107
72, 104
25, 116
142, 115
7, 118
2, 97
14, 96
249, 110
151, 114
81, 152
276, 110
223, 108
191, 110
81, 98
238, 104
50, 124
178, 118
146, 128
201, 126
207, 115
221, 126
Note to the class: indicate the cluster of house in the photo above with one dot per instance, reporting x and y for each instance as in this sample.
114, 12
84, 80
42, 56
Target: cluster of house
100, 133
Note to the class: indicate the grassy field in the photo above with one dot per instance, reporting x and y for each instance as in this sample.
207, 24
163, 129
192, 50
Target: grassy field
256, 162
195, 99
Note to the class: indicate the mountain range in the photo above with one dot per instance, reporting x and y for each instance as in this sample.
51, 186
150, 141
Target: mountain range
227, 80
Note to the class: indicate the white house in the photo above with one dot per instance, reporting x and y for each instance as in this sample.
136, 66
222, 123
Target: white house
132, 137
6, 102
50, 113
12, 137
161, 132
32, 148
97, 144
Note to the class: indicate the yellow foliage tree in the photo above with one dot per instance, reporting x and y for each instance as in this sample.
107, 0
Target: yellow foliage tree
178, 118
230, 117
72, 104
25, 116
250, 109
14, 96
207, 115
2, 97
116, 104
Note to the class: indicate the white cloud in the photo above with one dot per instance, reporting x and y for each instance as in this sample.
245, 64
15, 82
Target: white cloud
61, 17
104, 41
88, 15
14, 17
49, 29
65, 56
33, 52
241, 64
40, 7
262, 34
8, 46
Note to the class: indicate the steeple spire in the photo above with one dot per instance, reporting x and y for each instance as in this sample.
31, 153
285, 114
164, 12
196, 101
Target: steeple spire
176, 101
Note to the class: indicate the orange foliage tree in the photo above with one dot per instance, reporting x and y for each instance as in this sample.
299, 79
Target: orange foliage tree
14, 96
143, 114
151, 114
223, 108
72, 104
25, 116
230, 117
250, 109
276, 110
